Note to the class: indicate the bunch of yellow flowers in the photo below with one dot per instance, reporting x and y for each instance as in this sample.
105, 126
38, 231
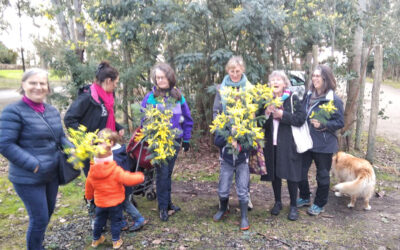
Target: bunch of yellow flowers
239, 121
158, 134
85, 146
324, 113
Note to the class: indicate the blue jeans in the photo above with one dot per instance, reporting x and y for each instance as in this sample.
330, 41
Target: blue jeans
102, 214
39, 201
130, 208
242, 177
163, 182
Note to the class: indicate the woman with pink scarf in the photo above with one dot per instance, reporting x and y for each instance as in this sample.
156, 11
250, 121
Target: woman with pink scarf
94, 107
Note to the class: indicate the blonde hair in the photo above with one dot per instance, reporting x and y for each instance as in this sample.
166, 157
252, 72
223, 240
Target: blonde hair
280, 74
108, 134
235, 61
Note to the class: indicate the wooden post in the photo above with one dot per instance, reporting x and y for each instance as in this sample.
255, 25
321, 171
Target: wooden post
378, 67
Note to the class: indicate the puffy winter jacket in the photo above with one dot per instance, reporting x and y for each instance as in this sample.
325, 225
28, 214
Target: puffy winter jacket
105, 183
27, 142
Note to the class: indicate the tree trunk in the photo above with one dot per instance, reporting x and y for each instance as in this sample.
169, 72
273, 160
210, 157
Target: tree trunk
308, 70
80, 30
125, 90
353, 86
360, 108
378, 67
315, 57
62, 24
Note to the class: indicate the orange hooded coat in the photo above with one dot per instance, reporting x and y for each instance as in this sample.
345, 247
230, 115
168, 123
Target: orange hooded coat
105, 183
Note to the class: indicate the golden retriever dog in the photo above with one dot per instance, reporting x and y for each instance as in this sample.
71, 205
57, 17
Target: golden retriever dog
356, 178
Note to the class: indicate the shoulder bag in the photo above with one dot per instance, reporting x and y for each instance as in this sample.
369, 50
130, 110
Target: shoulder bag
301, 135
66, 171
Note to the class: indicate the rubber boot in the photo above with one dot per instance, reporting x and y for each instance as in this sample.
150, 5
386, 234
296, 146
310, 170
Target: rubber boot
223, 209
244, 223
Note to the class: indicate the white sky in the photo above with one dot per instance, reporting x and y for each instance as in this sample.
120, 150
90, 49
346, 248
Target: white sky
11, 36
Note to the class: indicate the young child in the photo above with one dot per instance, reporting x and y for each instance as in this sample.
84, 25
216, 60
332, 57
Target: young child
105, 184
121, 157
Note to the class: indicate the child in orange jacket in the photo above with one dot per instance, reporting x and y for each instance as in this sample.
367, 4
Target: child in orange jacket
105, 184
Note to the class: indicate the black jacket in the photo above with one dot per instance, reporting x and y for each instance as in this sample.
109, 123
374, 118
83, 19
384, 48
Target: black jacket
324, 138
87, 111
122, 159
243, 155
287, 161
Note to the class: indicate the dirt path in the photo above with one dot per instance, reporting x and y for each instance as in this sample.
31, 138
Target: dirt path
390, 102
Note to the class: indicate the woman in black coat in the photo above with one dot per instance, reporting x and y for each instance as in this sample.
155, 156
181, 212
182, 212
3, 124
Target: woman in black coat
281, 157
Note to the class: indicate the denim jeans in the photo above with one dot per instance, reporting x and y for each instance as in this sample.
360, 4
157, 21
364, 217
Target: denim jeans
163, 182
39, 201
242, 176
323, 162
128, 207
102, 214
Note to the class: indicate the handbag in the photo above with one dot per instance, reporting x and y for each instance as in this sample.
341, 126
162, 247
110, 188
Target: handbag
257, 161
301, 135
66, 171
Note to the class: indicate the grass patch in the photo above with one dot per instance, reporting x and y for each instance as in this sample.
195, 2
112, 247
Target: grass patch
11, 79
389, 82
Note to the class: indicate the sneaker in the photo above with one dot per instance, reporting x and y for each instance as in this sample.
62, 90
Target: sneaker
138, 224
164, 214
124, 225
315, 210
117, 244
96, 243
303, 202
171, 206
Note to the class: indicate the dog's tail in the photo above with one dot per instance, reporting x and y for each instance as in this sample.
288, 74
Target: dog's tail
358, 185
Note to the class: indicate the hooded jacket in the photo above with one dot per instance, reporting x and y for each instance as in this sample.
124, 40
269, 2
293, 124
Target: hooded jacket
105, 183
88, 109
324, 138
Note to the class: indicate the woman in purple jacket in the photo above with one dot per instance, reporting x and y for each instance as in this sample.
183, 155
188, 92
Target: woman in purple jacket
163, 76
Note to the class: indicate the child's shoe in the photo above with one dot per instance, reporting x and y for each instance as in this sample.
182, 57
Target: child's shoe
117, 244
139, 223
96, 243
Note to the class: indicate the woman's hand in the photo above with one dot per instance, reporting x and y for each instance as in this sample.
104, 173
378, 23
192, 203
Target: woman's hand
315, 123
270, 109
278, 114
121, 132
36, 169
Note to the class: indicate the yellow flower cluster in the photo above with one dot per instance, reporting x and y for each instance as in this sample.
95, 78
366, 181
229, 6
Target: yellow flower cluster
239, 121
158, 134
324, 113
85, 146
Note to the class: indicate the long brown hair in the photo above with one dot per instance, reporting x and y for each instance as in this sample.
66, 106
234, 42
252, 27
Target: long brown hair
170, 75
328, 77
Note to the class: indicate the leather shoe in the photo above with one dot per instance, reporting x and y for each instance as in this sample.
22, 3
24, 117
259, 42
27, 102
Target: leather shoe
171, 206
276, 209
293, 213
163, 214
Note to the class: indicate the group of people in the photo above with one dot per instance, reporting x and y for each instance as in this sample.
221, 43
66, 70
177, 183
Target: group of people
281, 157
31, 132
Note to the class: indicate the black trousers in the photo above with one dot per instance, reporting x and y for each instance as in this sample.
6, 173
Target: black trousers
323, 162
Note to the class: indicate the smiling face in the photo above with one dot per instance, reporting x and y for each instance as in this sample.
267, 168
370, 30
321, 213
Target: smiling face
235, 73
318, 81
161, 79
36, 87
277, 84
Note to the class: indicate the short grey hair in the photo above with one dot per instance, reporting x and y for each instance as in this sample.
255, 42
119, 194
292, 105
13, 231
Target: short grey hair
31, 72
282, 75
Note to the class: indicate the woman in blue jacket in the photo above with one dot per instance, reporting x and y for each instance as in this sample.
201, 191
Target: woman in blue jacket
31, 148
325, 142
163, 76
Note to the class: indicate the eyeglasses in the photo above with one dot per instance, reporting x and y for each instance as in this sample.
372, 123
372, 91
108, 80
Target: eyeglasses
42, 84
160, 78
315, 75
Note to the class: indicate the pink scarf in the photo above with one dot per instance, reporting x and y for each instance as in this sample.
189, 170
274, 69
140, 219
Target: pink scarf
38, 107
108, 99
